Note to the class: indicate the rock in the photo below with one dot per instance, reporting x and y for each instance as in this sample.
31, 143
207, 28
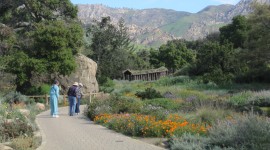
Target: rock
40, 106
25, 112
4, 147
85, 73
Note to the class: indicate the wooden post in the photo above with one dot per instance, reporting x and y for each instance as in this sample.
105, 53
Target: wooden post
46, 97
90, 99
64, 99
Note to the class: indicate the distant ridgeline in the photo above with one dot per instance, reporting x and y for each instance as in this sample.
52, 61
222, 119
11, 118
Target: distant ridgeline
153, 27
147, 75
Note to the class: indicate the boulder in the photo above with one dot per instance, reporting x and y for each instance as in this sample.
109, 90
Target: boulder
40, 106
4, 147
85, 73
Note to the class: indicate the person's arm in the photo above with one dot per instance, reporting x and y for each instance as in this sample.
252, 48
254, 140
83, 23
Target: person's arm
56, 91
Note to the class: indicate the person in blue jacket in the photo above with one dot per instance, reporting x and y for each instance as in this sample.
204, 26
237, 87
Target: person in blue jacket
72, 98
54, 96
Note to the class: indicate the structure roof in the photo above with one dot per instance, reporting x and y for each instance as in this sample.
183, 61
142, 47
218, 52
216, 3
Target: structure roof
138, 72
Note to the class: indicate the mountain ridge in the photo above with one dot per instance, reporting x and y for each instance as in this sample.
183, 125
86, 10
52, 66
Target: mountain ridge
155, 26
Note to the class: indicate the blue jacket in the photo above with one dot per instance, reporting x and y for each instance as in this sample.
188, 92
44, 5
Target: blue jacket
54, 91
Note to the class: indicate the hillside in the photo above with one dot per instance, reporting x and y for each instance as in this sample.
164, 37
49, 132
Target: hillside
153, 27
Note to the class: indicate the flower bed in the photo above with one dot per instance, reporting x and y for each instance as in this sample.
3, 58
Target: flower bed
148, 126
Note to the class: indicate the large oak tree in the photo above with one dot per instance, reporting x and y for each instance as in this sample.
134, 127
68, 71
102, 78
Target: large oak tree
43, 37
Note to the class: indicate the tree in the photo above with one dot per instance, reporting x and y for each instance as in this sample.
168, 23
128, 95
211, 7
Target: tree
216, 62
173, 55
258, 54
236, 32
45, 36
112, 48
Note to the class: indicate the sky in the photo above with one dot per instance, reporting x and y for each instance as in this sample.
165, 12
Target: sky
192, 6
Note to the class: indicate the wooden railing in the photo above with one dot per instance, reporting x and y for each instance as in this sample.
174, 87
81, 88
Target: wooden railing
65, 97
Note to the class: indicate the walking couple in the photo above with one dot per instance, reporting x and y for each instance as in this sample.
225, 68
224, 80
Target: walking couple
74, 98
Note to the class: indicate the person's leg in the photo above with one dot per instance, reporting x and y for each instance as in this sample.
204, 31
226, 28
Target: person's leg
55, 104
73, 105
51, 105
78, 105
70, 99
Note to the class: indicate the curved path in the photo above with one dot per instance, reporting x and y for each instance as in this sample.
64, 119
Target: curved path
79, 133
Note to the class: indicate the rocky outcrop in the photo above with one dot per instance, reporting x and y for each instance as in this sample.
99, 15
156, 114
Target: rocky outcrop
85, 73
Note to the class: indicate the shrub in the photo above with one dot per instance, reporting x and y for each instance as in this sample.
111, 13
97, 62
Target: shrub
23, 143
245, 132
13, 124
44, 89
14, 97
219, 77
164, 103
156, 111
107, 85
149, 93
209, 115
15, 128
188, 142
114, 104
97, 107
190, 95
120, 104
241, 98
168, 81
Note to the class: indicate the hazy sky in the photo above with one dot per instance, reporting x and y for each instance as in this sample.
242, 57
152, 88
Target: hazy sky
179, 5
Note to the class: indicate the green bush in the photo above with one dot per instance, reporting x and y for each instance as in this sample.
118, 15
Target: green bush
219, 77
149, 93
44, 89
245, 132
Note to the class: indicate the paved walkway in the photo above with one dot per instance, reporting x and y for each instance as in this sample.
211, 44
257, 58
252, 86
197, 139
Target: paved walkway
79, 133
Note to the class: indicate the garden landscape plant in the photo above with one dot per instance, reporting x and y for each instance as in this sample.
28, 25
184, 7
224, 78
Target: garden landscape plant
191, 117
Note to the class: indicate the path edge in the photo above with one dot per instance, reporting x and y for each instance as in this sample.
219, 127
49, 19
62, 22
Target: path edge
43, 136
